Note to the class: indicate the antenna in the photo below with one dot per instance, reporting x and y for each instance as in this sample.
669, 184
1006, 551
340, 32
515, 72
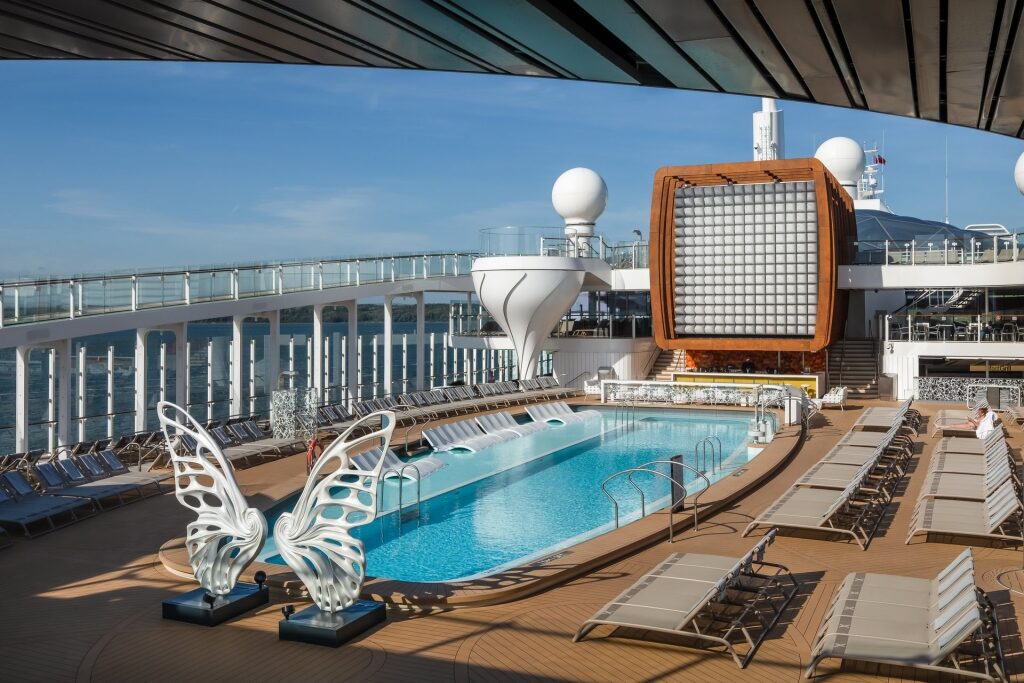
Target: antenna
946, 220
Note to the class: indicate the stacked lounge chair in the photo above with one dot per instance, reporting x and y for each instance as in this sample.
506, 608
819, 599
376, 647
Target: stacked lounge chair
920, 623
394, 466
970, 494
22, 507
559, 411
464, 434
727, 601
501, 423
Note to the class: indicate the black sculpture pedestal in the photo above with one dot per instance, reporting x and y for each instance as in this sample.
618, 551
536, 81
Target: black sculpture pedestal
194, 608
320, 628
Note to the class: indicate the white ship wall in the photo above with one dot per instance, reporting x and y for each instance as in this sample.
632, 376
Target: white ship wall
902, 359
631, 358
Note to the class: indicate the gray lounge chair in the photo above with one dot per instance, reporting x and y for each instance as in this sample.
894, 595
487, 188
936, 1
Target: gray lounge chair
148, 482
36, 514
727, 601
920, 623
69, 480
939, 484
464, 434
972, 445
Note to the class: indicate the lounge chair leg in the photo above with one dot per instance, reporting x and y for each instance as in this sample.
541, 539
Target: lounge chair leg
809, 673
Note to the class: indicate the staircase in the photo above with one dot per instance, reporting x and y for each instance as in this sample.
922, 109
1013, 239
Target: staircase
668, 362
853, 363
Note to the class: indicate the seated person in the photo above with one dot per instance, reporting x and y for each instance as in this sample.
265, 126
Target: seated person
748, 367
982, 425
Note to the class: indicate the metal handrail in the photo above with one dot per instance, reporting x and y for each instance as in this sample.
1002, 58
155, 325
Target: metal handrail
705, 442
400, 472
643, 504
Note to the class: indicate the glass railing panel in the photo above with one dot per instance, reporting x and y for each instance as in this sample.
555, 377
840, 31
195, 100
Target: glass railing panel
210, 286
256, 282
160, 290
370, 270
104, 296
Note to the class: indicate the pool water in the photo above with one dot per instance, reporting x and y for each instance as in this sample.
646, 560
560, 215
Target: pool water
527, 498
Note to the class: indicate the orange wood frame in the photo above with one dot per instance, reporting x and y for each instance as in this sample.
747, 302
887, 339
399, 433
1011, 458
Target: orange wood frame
837, 229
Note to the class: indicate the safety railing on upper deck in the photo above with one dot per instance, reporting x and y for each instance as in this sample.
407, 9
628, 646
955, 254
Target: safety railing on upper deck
974, 250
552, 241
31, 301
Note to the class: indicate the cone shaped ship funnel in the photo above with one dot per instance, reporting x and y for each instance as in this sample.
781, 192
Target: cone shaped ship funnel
526, 296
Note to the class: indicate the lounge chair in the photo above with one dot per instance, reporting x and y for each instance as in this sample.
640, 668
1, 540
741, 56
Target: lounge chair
559, 411
34, 513
835, 397
881, 419
964, 463
919, 623
95, 468
971, 445
997, 517
71, 481
394, 466
501, 422
940, 484
464, 434
829, 510
727, 601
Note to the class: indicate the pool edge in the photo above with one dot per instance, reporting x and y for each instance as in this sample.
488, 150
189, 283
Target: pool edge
540, 574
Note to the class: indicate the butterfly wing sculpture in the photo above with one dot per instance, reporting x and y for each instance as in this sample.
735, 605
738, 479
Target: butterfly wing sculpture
314, 539
227, 533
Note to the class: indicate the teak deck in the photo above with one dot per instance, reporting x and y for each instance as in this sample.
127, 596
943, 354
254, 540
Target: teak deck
83, 604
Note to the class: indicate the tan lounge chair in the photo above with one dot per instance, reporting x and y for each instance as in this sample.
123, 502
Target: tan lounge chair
997, 517
727, 601
911, 622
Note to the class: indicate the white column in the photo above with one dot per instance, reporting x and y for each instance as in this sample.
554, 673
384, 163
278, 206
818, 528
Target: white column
252, 376
140, 381
51, 399
21, 398
389, 341
80, 369
359, 367
237, 358
444, 359
272, 354
318, 351
405, 363
354, 369
326, 380
376, 368
291, 361
110, 391
163, 371
181, 364
432, 373
63, 392
421, 330
209, 378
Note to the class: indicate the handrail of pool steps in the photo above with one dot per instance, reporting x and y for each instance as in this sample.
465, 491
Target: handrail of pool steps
400, 472
645, 468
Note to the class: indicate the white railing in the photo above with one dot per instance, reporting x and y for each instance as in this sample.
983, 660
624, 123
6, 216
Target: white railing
30, 301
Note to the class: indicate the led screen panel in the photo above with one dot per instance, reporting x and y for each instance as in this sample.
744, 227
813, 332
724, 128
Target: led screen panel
746, 260
745, 256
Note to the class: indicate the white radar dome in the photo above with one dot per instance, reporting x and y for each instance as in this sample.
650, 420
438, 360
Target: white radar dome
579, 196
844, 158
1018, 174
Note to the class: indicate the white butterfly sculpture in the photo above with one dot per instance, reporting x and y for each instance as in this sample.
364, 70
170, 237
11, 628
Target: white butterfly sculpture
314, 538
226, 534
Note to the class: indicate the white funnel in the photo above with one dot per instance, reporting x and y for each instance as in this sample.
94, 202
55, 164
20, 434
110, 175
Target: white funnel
527, 295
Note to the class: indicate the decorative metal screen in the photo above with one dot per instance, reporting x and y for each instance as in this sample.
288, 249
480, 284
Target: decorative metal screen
746, 260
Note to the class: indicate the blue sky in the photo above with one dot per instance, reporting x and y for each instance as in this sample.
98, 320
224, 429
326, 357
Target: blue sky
109, 166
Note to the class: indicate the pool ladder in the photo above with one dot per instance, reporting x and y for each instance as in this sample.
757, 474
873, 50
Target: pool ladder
674, 484
414, 511
625, 413
700, 453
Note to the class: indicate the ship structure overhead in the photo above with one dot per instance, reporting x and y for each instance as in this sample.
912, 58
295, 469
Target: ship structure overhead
744, 255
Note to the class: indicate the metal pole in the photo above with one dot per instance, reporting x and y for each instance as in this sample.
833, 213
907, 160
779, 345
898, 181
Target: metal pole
51, 405
291, 361
209, 378
81, 391
405, 363
376, 377
325, 379
444, 358
433, 358
252, 376
163, 371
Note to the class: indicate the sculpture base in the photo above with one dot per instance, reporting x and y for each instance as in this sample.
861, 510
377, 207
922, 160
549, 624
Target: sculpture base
320, 628
191, 606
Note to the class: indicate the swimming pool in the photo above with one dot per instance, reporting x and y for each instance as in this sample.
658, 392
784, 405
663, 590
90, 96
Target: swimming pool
524, 499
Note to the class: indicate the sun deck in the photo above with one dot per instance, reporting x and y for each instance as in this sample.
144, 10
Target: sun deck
83, 603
